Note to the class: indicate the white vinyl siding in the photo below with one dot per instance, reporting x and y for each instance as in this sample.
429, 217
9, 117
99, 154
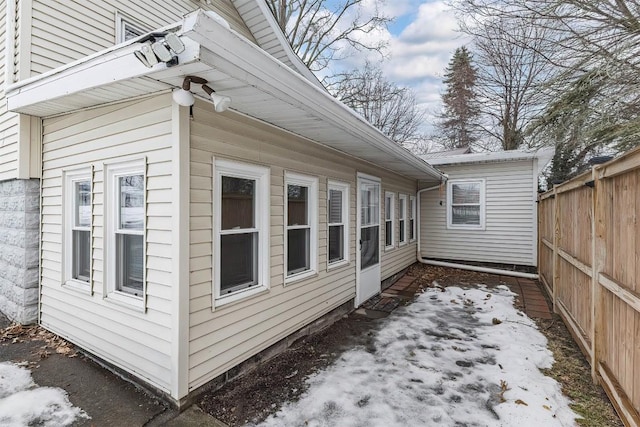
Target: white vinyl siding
509, 234
136, 341
222, 337
64, 31
8, 121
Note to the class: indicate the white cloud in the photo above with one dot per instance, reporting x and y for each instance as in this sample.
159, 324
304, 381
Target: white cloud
418, 53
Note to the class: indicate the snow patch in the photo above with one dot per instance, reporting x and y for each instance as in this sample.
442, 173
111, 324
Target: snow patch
22, 403
454, 357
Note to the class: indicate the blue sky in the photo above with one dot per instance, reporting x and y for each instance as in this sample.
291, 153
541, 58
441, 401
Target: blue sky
421, 40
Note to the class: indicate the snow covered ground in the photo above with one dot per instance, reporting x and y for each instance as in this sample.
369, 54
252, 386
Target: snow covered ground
23, 403
453, 357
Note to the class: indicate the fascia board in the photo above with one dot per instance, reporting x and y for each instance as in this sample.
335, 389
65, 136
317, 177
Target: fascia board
89, 73
234, 55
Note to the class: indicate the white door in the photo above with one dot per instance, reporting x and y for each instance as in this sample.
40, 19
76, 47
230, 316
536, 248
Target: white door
368, 239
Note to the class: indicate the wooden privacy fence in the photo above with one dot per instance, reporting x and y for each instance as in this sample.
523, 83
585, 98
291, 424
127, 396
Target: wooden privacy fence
589, 262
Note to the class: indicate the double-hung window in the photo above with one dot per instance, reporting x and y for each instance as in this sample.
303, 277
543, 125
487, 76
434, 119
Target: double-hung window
412, 218
389, 216
338, 222
78, 226
402, 218
242, 223
126, 248
465, 201
301, 195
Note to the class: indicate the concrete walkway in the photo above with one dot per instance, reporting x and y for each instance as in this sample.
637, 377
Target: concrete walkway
108, 399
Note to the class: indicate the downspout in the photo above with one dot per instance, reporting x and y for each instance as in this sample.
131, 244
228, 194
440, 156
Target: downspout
456, 265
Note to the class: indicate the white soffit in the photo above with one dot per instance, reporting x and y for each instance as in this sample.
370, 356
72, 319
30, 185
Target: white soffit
260, 86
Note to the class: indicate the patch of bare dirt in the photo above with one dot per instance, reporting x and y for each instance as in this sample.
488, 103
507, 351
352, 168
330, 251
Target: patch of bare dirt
261, 392
572, 371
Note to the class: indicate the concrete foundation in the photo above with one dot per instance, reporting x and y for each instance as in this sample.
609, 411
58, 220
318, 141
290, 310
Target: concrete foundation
19, 237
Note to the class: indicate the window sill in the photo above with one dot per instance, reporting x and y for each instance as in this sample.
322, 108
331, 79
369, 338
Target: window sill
126, 300
389, 248
239, 296
299, 277
402, 244
78, 286
466, 227
338, 264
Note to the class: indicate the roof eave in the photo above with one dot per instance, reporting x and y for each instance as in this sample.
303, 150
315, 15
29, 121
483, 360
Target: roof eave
233, 54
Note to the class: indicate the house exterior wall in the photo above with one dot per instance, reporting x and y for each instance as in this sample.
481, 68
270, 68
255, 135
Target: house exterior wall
401, 256
19, 228
222, 337
509, 236
49, 34
138, 341
8, 121
69, 30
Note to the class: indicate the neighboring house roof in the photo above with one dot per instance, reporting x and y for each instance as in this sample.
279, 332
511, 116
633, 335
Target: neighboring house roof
438, 154
260, 86
544, 156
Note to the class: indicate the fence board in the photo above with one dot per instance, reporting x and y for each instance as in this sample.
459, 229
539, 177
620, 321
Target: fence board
589, 260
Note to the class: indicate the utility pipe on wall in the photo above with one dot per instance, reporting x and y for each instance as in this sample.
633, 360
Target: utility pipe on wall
478, 268
456, 265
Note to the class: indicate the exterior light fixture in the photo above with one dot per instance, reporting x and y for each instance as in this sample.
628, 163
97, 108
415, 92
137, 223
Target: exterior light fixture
146, 55
155, 49
220, 102
184, 97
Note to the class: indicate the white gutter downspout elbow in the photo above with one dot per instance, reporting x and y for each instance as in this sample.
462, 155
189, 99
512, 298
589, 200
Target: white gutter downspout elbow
456, 265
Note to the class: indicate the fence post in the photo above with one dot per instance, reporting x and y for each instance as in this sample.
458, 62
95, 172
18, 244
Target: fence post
556, 242
598, 254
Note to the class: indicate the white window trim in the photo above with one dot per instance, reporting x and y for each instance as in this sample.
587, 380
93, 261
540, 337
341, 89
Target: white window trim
482, 224
403, 198
412, 216
392, 207
344, 188
262, 176
112, 172
123, 20
70, 178
310, 182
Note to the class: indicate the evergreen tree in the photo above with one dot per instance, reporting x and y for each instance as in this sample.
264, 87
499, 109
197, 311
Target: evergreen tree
458, 121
